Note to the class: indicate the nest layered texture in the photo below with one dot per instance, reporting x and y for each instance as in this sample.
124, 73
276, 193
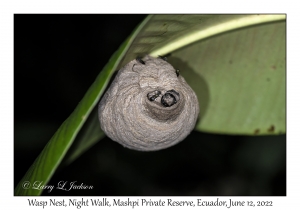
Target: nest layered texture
148, 106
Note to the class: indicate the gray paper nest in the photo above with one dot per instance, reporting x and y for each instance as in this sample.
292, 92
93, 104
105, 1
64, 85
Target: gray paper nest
148, 107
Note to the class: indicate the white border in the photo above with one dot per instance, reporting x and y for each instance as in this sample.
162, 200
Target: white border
8, 8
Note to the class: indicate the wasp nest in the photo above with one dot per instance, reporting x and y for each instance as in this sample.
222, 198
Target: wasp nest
148, 106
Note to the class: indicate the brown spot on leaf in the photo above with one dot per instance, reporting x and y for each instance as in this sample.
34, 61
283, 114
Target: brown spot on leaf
256, 131
273, 67
230, 61
271, 129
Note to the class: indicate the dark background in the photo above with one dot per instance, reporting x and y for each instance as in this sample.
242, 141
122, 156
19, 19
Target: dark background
57, 58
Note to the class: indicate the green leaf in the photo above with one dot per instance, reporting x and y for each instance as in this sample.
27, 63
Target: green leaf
239, 78
164, 34
88, 136
49, 159
208, 27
